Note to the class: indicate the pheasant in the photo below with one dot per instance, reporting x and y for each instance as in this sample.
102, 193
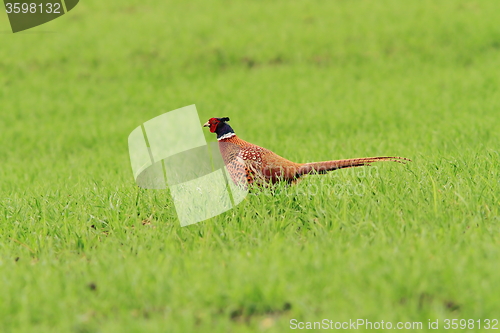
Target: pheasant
253, 165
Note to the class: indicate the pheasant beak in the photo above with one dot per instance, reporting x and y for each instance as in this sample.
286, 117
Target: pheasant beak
206, 124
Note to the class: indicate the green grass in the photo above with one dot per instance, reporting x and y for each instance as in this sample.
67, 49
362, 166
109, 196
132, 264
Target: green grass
82, 249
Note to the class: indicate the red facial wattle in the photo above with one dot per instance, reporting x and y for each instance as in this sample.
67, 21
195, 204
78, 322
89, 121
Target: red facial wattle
213, 124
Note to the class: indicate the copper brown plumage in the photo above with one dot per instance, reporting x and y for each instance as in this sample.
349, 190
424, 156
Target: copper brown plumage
250, 164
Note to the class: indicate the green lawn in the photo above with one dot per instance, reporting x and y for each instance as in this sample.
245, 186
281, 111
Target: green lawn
82, 249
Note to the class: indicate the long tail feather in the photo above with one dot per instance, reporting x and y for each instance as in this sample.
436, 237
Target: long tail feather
323, 167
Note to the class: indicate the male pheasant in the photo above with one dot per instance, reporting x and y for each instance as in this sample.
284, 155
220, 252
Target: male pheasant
250, 164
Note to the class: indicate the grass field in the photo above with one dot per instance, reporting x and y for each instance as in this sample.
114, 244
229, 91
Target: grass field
82, 249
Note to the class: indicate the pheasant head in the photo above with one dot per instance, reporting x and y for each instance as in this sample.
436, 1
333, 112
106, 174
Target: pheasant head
220, 127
